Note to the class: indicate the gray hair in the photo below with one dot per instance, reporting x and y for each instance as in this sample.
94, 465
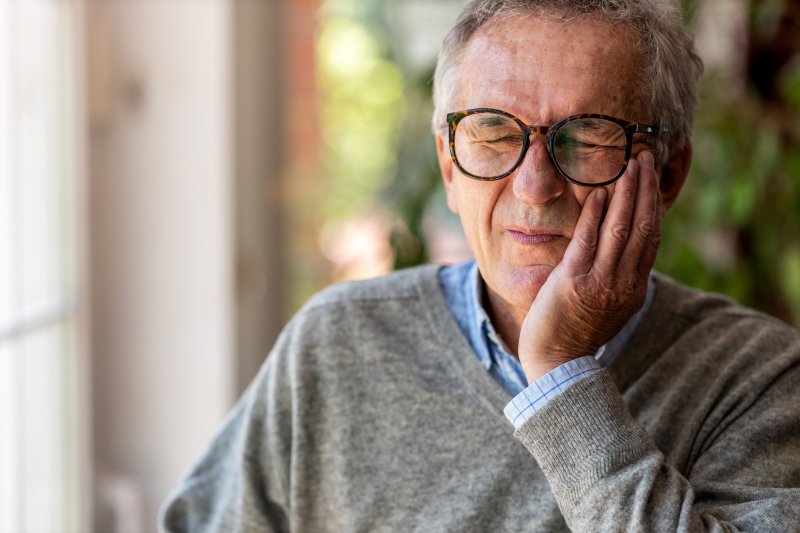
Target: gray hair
667, 85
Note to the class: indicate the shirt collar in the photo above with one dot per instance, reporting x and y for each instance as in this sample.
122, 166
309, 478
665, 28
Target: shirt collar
475, 291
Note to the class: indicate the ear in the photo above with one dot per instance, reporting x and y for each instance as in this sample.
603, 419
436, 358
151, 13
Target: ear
674, 171
446, 168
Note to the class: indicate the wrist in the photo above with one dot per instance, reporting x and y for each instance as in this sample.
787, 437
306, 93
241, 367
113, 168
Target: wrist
535, 368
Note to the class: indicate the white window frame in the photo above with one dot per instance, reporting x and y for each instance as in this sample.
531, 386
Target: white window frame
45, 441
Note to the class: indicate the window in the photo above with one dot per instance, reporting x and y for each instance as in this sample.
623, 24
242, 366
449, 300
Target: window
42, 357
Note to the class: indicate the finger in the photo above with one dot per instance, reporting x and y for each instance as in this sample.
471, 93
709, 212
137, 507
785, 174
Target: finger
645, 214
616, 229
579, 255
651, 251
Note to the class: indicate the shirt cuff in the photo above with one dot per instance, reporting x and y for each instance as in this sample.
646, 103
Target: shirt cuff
525, 404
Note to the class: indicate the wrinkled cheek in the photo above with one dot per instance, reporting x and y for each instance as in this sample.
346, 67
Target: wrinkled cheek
582, 193
477, 203
476, 232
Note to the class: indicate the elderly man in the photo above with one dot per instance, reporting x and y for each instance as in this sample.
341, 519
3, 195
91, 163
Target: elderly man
554, 383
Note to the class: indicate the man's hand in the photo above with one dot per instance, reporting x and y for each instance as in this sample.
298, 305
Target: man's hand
602, 279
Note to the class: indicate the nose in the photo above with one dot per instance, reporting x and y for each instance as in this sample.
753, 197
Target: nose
537, 182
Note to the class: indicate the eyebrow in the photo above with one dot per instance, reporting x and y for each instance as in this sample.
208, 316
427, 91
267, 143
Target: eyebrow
491, 121
589, 124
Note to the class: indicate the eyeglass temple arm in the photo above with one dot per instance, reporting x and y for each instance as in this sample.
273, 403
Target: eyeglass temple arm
646, 128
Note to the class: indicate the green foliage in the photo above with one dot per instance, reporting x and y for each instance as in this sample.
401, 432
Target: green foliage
362, 107
736, 226
417, 179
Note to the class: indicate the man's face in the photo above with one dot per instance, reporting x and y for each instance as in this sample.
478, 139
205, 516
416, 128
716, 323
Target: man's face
518, 228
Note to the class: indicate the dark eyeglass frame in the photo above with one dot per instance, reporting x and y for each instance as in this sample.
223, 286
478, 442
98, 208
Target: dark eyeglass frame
628, 126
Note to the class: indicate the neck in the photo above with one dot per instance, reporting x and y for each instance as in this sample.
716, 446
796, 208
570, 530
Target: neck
506, 319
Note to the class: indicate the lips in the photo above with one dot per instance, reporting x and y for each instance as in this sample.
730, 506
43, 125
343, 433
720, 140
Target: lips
534, 236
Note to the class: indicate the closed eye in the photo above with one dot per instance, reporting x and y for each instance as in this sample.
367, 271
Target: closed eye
590, 146
515, 139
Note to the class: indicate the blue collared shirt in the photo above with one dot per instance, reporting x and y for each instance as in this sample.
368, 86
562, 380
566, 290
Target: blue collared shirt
462, 286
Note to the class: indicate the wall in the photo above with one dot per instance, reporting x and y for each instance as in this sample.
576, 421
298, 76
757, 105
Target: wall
161, 171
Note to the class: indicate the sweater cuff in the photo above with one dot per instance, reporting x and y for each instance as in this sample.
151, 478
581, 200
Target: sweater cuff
582, 436
525, 404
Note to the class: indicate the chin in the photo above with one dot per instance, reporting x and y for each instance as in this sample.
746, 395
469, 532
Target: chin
519, 285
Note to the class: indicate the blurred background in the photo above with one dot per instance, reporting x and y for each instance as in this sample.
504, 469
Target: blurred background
178, 176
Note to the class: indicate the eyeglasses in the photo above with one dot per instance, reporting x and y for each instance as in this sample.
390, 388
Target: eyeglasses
587, 149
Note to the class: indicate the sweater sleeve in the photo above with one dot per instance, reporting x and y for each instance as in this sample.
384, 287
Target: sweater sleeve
608, 475
540, 392
240, 481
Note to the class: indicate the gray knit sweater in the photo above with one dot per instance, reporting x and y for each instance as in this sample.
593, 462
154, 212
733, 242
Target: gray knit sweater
372, 414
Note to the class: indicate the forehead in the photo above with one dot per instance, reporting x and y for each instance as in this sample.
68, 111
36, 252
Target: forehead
542, 69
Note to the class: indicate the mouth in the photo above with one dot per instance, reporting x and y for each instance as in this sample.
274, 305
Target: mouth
531, 236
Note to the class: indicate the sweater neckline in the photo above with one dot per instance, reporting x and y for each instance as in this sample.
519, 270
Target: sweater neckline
455, 346
655, 333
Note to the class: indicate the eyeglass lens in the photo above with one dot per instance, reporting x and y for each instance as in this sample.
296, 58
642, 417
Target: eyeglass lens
588, 150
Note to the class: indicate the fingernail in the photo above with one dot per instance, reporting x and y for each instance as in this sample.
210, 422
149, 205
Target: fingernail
647, 157
600, 196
